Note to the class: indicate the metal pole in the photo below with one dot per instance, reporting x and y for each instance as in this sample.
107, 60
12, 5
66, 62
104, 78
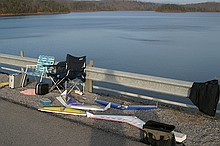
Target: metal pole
22, 55
89, 83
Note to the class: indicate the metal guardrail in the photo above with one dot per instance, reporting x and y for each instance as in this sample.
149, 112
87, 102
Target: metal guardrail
151, 83
145, 82
132, 80
18, 61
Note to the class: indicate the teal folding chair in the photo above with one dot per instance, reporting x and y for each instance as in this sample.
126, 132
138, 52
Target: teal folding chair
43, 65
41, 68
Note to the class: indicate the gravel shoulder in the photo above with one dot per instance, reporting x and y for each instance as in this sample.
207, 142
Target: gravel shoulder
201, 130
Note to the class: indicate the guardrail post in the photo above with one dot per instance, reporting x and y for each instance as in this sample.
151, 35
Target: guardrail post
89, 83
22, 55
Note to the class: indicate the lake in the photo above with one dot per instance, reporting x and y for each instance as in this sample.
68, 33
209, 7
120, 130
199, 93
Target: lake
183, 46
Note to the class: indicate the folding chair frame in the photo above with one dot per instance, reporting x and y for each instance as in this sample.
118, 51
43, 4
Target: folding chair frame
67, 79
43, 63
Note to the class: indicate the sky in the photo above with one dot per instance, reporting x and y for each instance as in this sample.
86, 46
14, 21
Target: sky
180, 1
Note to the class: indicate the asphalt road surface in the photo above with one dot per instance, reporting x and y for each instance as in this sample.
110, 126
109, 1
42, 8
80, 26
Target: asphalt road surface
26, 127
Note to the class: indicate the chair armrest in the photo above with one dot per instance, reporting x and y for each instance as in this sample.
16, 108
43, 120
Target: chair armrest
31, 66
53, 65
61, 64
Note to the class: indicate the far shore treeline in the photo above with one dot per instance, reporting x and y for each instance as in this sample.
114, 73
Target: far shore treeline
26, 7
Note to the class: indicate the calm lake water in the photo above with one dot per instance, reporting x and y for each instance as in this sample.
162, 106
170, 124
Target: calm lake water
184, 46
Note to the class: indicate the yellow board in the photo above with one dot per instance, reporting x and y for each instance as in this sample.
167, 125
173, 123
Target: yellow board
62, 110
3, 84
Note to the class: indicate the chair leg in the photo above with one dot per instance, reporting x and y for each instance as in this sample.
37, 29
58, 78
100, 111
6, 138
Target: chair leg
55, 85
41, 76
74, 85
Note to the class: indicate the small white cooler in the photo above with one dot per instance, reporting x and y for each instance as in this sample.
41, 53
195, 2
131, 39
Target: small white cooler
15, 80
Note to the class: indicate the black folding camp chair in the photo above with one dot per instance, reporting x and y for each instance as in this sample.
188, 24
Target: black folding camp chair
71, 71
